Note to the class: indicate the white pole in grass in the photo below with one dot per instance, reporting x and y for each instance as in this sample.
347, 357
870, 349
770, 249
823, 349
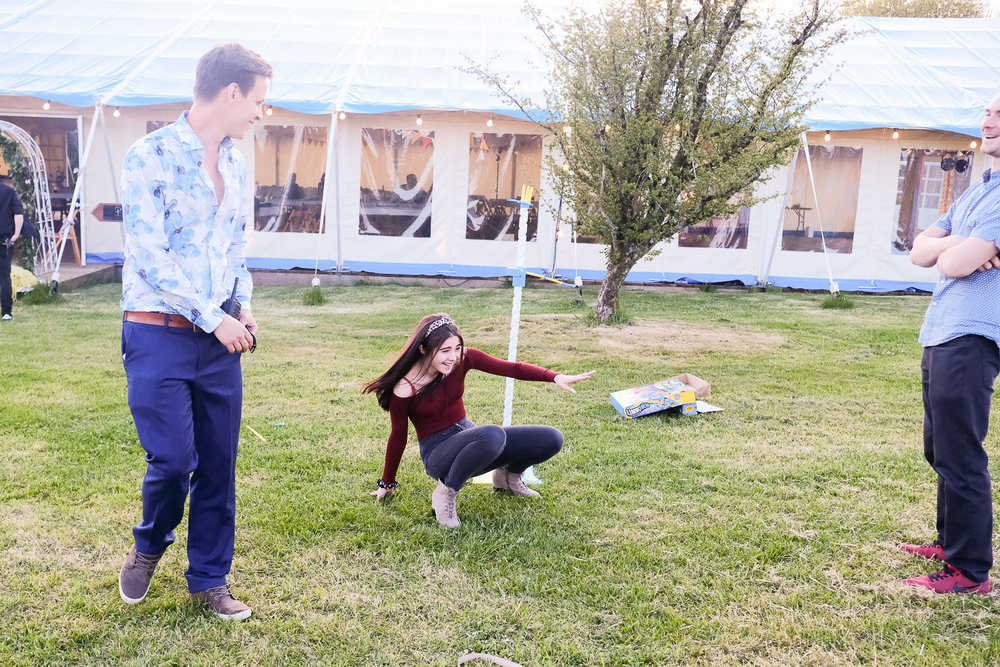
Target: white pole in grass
518, 278
834, 288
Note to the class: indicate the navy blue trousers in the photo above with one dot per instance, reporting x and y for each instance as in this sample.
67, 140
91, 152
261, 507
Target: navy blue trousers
958, 379
185, 392
464, 450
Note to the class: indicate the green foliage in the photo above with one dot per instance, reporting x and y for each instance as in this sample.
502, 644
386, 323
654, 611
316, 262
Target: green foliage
916, 8
668, 115
708, 287
838, 300
38, 294
313, 296
771, 288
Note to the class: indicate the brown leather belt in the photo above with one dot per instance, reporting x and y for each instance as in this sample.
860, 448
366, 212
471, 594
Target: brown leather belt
160, 319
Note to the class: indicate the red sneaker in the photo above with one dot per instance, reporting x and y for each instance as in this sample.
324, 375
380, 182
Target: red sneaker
950, 580
932, 551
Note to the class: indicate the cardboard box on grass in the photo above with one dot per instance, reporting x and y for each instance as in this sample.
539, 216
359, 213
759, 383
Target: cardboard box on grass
702, 388
655, 397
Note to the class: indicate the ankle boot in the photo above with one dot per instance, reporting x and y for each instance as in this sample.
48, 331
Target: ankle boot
443, 502
500, 478
513, 483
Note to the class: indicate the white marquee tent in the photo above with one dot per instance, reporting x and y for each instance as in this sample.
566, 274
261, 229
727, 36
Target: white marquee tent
367, 96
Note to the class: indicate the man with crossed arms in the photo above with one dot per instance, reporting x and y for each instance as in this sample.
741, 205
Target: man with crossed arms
961, 360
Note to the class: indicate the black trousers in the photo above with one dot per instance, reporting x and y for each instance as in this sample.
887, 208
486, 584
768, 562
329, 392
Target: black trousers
958, 379
6, 292
464, 450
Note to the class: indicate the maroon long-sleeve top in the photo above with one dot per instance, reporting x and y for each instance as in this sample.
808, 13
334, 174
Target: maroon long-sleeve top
444, 406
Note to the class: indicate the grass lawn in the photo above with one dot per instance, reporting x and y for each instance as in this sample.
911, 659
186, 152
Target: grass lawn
762, 534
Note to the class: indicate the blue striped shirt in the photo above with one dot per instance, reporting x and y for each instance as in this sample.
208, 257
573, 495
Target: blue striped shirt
968, 305
183, 250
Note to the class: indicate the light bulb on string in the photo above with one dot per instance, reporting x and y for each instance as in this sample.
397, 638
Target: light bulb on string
117, 112
342, 116
973, 143
270, 111
827, 137
489, 122
46, 106
565, 165
420, 121
895, 133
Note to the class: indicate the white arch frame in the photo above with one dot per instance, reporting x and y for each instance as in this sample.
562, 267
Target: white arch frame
45, 255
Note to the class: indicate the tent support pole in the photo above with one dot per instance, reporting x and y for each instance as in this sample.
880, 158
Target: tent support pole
77, 192
330, 136
834, 288
764, 274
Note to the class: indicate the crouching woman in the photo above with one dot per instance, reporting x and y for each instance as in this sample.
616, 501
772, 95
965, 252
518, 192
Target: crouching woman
425, 386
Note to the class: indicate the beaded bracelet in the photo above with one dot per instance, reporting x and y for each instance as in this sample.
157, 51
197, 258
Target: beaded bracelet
389, 487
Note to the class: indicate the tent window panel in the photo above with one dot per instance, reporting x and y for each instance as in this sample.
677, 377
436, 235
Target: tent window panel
500, 165
718, 232
289, 174
925, 191
837, 171
397, 182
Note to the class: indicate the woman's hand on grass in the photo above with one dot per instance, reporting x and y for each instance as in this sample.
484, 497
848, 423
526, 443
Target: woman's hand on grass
565, 381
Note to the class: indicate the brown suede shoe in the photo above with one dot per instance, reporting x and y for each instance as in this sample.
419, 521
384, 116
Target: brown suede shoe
222, 603
136, 575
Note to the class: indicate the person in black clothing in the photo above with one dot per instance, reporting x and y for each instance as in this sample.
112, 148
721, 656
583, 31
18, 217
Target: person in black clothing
295, 190
11, 220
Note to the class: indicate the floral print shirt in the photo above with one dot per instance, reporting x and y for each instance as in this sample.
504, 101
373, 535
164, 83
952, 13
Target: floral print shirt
183, 250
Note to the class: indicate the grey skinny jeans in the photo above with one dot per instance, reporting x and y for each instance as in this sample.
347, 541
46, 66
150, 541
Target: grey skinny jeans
463, 450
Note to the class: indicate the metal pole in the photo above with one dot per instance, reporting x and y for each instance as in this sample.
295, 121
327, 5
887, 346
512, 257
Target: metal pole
77, 191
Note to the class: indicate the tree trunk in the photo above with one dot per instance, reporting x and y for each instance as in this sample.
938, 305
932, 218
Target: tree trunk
607, 298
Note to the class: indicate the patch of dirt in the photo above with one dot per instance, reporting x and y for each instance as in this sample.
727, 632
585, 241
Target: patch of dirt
659, 336
655, 335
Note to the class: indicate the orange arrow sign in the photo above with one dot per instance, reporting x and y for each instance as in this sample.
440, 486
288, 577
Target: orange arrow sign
108, 212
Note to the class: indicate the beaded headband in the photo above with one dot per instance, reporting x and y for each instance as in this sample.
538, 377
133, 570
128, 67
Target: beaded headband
438, 323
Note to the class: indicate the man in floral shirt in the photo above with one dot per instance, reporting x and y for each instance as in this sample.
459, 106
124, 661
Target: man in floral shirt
183, 188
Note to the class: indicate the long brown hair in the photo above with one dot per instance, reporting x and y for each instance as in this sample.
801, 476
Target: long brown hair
429, 342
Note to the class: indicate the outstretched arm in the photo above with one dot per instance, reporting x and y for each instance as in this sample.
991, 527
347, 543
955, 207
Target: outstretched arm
520, 371
565, 381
